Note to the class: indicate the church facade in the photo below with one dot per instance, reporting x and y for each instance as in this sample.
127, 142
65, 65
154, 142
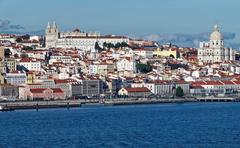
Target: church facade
78, 39
214, 50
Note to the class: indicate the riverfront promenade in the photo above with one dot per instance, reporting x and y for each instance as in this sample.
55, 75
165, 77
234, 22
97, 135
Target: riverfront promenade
78, 103
42, 104
15, 105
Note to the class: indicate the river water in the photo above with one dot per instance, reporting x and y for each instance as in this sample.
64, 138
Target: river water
163, 125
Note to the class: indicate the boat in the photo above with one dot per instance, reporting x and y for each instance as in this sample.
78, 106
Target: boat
5, 109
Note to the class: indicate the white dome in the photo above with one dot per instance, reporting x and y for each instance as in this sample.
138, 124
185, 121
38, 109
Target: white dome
216, 35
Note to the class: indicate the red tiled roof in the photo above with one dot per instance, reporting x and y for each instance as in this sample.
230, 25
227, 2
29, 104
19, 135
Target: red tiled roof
25, 60
28, 60
138, 89
57, 81
40, 90
37, 90
161, 82
213, 83
57, 90
16, 72
196, 87
236, 82
198, 83
228, 82
181, 82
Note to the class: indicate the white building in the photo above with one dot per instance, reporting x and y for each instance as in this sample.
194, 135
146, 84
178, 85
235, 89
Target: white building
30, 64
61, 58
16, 78
214, 50
78, 39
127, 64
145, 53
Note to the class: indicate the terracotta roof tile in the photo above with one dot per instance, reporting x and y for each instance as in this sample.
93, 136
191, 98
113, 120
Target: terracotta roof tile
138, 89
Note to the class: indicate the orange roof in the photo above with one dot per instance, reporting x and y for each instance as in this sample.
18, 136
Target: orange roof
228, 82
213, 83
40, 90
138, 89
198, 83
236, 82
57, 90
37, 90
57, 81
28, 60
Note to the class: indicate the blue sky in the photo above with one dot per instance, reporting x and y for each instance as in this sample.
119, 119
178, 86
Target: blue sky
135, 17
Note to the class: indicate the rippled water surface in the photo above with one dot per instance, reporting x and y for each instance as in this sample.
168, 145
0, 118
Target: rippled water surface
164, 125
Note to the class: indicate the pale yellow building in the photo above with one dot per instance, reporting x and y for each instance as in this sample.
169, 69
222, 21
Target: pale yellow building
11, 65
30, 77
165, 53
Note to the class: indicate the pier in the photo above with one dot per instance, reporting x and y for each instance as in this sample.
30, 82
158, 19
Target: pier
42, 104
146, 101
218, 99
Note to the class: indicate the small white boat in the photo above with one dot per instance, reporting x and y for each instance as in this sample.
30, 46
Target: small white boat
4, 109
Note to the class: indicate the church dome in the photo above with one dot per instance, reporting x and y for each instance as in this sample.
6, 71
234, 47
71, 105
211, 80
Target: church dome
216, 35
76, 30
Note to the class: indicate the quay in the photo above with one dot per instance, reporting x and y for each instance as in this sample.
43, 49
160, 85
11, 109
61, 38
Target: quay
146, 101
17, 105
218, 99
20, 105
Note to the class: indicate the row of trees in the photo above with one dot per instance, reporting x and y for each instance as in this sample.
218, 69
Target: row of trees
118, 45
110, 45
27, 48
176, 66
22, 38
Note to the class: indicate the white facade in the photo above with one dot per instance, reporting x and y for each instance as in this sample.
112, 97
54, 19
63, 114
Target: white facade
145, 53
32, 65
150, 86
126, 64
214, 50
78, 39
61, 58
101, 68
93, 69
16, 78
36, 55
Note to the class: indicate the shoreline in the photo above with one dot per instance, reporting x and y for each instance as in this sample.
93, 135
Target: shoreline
25, 105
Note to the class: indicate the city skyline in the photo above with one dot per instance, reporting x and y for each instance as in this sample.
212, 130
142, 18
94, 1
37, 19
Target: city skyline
158, 20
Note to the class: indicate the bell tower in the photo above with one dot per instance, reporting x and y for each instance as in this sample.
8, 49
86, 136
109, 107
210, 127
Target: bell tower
51, 34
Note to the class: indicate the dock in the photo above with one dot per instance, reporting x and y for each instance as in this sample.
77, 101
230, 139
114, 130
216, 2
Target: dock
41, 104
146, 101
218, 99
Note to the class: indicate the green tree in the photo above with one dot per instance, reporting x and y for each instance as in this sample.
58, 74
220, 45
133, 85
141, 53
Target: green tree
124, 44
24, 55
16, 55
19, 39
105, 45
179, 92
118, 45
27, 48
26, 37
143, 68
7, 52
172, 56
98, 47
